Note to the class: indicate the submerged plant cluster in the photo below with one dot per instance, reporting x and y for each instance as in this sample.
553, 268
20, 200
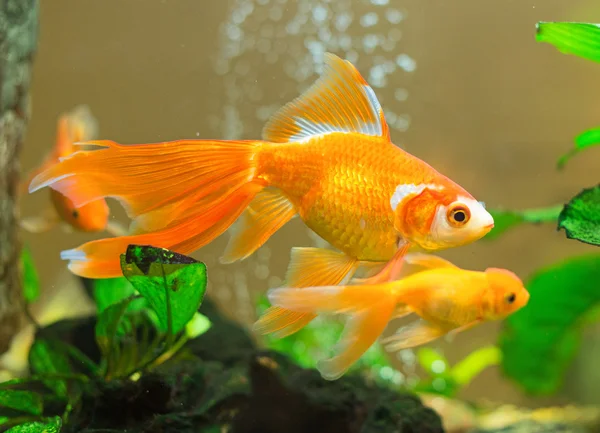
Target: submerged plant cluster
150, 318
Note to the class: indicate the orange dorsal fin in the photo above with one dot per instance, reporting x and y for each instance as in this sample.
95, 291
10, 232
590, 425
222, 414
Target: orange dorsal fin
267, 213
339, 101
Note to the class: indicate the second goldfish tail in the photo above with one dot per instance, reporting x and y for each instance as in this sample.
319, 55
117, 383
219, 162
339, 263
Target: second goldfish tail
369, 309
157, 183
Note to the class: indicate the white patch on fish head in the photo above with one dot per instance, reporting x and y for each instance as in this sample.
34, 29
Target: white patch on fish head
461, 222
405, 190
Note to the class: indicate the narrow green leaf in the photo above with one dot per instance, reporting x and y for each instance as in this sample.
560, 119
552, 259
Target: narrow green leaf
46, 358
109, 291
50, 425
31, 281
173, 284
506, 220
586, 139
464, 371
539, 341
432, 361
108, 323
579, 39
25, 401
581, 217
197, 326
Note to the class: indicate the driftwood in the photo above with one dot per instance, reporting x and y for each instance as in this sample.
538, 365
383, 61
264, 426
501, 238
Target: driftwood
18, 42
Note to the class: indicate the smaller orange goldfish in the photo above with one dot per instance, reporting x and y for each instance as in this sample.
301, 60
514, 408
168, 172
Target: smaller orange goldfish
75, 126
448, 300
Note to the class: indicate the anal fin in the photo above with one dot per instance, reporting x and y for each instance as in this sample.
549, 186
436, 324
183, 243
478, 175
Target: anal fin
268, 212
308, 267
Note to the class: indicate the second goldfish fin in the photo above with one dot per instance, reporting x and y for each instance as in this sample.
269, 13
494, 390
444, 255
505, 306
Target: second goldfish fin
268, 212
415, 334
361, 331
41, 223
339, 101
308, 267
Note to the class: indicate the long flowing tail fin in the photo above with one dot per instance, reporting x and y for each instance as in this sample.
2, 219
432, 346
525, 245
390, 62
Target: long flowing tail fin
370, 309
181, 194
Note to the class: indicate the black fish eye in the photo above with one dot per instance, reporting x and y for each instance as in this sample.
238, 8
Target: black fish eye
511, 298
459, 216
75, 213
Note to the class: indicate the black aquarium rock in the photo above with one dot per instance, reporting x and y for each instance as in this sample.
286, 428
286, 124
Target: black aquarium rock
221, 382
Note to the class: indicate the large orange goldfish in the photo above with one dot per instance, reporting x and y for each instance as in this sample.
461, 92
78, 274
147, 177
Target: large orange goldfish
448, 299
327, 157
77, 125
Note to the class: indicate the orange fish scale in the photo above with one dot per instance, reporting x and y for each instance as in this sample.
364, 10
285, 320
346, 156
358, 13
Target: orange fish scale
341, 185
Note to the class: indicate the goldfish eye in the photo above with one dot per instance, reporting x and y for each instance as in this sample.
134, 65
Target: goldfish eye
458, 215
75, 213
511, 298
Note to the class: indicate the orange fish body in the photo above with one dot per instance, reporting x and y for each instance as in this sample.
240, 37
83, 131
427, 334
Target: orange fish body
326, 157
72, 127
447, 299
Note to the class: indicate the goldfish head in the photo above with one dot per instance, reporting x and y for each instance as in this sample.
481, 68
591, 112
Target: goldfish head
438, 217
507, 293
91, 217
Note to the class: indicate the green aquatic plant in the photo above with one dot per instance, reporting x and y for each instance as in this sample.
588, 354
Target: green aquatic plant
448, 381
144, 318
539, 342
580, 217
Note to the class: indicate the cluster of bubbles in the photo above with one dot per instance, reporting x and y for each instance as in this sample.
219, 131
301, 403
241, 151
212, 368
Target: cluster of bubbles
272, 50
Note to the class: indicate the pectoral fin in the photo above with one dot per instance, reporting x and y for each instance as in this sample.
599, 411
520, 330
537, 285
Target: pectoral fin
268, 212
41, 223
415, 334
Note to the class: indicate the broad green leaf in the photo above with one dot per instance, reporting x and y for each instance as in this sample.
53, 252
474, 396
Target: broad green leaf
197, 326
25, 401
505, 220
581, 217
539, 341
50, 425
109, 291
46, 358
173, 284
579, 39
586, 139
107, 326
432, 361
30, 281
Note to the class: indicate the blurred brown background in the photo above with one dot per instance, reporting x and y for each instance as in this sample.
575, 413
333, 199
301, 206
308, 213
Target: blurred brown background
488, 106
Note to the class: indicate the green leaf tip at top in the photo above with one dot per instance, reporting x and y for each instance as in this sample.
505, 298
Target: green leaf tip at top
30, 279
586, 139
49, 425
539, 341
173, 284
579, 39
580, 218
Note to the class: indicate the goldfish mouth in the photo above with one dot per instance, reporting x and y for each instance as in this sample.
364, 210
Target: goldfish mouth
489, 226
